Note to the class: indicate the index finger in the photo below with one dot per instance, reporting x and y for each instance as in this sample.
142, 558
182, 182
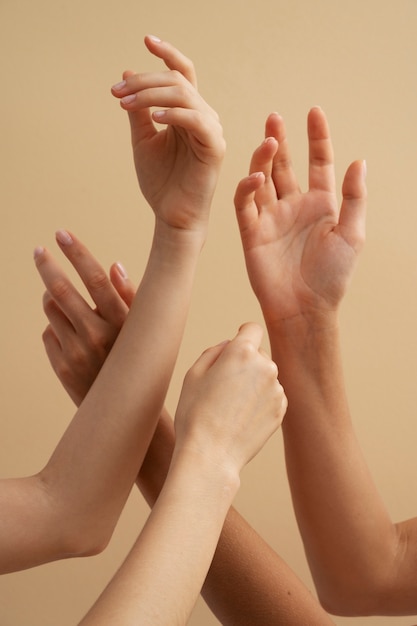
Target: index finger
108, 302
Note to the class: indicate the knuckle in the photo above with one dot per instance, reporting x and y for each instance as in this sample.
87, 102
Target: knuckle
76, 360
177, 76
59, 288
272, 369
48, 305
182, 91
48, 334
100, 341
245, 349
98, 280
64, 371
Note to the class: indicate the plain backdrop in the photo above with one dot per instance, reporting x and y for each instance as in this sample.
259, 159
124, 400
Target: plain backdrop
66, 163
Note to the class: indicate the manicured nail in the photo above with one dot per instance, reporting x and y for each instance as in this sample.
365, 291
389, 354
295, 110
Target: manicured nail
155, 38
119, 86
38, 251
120, 268
128, 99
158, 115
63, 237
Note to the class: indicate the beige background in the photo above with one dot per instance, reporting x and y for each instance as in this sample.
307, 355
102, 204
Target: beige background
65, 162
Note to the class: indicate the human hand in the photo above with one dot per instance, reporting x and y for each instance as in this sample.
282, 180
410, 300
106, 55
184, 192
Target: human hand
177, 166
300, 249
231, 401
79, 337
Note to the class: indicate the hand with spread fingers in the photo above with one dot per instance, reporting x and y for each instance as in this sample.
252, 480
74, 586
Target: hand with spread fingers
300, 251
247, 580
79, 335
300, 248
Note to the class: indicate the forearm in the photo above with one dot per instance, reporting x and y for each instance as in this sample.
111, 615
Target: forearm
162, 576
247, 583
95, 464
350, 541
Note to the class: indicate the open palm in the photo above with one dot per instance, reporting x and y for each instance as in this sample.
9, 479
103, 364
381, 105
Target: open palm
300, 249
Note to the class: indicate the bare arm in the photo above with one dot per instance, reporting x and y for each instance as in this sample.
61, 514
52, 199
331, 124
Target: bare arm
72, 505
248, 583
362, 562
230, 405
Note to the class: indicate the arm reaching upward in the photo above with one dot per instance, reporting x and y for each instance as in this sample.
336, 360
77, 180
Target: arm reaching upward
300, 251
247, 583
73, 503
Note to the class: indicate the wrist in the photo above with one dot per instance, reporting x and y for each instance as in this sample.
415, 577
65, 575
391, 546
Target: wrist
304, 329
183, 238
210, 472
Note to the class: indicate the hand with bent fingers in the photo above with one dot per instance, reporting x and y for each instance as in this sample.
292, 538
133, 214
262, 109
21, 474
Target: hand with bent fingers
177, 166
79, 336
300, 248
231, 401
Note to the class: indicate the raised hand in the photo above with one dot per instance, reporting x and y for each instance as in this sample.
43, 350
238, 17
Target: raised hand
178, 165
300, 248
79, 336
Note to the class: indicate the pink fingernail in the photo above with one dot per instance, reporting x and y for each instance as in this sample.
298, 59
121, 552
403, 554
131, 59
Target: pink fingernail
119, 86
121, 270
63, 237
154, 38
128, 99
38, 251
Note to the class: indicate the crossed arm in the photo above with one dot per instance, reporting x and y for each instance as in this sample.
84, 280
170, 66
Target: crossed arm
300, 252
247, 583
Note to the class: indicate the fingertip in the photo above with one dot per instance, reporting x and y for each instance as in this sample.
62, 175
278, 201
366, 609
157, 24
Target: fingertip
38, 252
121, 270
153, 38
63, 237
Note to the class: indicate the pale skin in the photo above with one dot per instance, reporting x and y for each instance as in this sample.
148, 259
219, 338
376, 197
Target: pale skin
300, 251
231, 403
247, 583
72, 505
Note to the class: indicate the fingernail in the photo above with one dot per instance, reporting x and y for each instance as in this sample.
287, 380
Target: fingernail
38, 251
128, 99
120, 268
155, 38
158, 115
63, 237
364, 168
119, 86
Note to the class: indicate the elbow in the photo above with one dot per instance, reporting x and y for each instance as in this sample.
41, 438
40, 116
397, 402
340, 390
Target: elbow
73, 531
81, 544
363, 597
